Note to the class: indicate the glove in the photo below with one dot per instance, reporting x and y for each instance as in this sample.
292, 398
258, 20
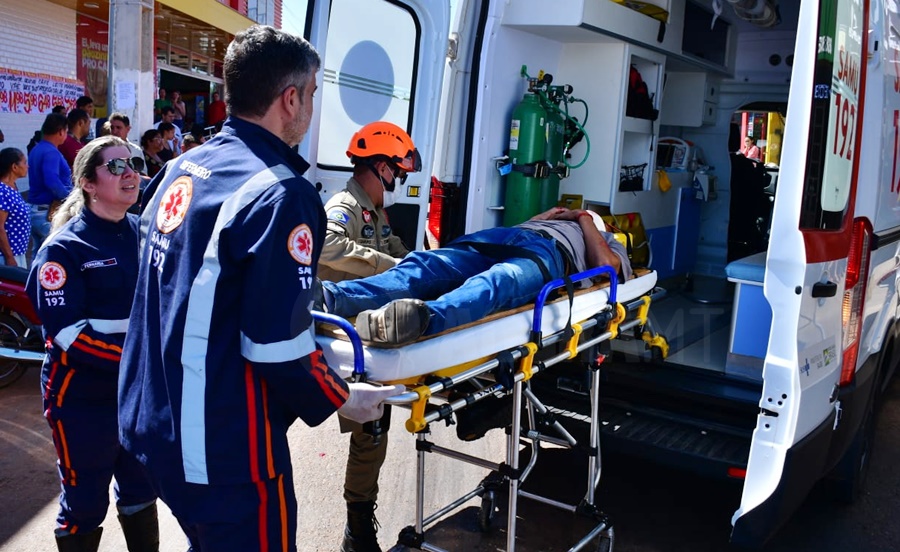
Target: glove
365, 402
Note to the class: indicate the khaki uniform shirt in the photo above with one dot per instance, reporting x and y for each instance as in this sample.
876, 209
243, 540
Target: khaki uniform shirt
358, 239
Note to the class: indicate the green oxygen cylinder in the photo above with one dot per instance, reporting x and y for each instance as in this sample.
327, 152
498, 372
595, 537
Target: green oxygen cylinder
527, 145
556, 127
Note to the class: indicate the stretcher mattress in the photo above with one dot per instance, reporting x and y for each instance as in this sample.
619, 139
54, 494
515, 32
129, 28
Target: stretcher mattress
498, 332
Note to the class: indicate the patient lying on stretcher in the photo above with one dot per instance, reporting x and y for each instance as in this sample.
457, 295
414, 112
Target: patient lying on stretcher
473, 276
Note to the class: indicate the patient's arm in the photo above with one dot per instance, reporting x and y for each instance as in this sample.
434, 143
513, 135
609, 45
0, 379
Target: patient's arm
555, 213
597, 252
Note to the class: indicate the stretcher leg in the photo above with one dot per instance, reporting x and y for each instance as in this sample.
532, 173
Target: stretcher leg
595, 461
512, 458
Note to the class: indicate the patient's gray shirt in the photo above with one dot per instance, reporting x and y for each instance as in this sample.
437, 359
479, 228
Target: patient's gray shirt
569, 236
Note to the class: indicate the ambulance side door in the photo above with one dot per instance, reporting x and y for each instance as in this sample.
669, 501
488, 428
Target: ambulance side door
381, 60
806, 269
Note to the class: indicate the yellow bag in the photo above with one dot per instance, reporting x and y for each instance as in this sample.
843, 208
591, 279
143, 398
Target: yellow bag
628, 229
663, 180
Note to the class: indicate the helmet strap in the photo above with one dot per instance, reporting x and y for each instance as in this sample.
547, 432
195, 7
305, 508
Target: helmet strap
387, 187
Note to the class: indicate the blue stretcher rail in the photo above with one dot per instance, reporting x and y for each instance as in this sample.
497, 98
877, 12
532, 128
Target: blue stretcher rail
359, 369
559, 282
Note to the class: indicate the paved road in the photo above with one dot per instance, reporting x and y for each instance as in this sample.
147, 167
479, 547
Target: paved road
654, 510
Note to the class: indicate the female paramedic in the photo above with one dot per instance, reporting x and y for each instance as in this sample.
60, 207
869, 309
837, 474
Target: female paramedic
82, 283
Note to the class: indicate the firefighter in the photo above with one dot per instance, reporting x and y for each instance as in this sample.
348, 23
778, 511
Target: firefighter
359, 243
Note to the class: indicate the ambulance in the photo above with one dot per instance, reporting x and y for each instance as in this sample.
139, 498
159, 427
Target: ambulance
777, 276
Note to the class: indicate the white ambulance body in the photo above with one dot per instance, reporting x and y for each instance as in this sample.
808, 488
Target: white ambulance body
778, 359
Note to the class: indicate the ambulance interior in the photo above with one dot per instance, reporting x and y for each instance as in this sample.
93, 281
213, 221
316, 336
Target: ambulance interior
714, 79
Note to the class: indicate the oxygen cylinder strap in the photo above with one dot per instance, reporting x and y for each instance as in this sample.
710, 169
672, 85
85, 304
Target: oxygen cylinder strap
538, 169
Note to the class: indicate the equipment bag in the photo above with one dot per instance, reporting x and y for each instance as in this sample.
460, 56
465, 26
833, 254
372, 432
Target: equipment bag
628, 229
640, 103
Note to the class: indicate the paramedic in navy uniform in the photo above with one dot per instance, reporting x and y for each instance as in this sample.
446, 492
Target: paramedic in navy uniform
225, 359
82, 283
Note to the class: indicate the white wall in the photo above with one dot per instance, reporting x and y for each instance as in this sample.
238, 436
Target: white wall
37, 36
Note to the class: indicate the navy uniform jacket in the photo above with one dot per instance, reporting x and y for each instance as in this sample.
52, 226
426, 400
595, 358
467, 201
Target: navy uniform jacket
82, 283
221, 356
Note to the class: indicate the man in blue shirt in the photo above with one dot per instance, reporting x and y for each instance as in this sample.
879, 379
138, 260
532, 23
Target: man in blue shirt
49, 176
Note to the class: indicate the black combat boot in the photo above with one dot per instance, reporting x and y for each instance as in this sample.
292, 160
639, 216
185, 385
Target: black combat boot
360, 534
80, 542
141, 530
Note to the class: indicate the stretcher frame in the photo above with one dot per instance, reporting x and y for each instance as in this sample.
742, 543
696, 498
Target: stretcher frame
425, 408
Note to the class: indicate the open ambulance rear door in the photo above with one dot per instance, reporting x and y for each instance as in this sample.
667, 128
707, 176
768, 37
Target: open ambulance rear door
381, 60
814, 318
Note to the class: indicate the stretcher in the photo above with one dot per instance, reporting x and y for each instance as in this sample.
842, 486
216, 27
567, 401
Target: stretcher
496, 358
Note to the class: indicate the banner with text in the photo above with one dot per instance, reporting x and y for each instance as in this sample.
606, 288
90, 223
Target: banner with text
36, 93
93, 60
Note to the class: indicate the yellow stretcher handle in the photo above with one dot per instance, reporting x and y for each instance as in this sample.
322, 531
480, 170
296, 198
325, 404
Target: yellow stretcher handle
657, 340
416, 421
614, 323
528, 361
572, 345
644, 310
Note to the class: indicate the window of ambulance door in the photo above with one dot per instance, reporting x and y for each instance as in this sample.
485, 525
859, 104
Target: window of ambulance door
369, 67
832, 135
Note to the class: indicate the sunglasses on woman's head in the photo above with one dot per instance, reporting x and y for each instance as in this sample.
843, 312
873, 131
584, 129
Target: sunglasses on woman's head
116, 167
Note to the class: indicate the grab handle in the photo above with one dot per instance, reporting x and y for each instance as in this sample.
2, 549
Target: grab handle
559, 282
359, 369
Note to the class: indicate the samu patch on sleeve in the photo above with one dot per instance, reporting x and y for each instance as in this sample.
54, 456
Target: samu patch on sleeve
52, 276
174, 204
339, 215
300, 244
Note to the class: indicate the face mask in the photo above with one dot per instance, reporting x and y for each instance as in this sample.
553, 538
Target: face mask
388, 194
388, 198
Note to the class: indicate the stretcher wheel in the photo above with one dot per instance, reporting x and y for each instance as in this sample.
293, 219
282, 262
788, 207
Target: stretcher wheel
487, 511
605, 544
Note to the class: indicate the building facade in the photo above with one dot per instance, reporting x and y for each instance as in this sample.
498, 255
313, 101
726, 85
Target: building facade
118, 52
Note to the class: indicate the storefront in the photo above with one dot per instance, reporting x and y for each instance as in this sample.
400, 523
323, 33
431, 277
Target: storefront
57, 50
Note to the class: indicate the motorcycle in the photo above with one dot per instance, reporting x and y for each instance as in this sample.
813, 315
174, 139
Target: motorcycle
21, 339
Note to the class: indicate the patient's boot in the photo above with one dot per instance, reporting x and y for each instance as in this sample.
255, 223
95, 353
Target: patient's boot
360, 533
397, 323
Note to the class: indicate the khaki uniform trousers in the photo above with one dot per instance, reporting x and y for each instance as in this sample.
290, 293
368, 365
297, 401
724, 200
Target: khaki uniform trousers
363, 462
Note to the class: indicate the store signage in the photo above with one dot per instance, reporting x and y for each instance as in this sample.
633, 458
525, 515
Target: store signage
36, 93
92, 55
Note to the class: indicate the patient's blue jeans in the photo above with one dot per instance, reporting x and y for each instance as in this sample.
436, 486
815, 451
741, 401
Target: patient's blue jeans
458, 284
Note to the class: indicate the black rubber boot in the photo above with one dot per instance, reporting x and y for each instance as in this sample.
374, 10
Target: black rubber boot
141, 530
80, 542
360, 533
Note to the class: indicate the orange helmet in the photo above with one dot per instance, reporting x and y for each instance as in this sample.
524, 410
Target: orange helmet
385, 139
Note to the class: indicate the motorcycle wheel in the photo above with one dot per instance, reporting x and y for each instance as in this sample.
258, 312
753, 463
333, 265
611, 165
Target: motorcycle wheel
11, 332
